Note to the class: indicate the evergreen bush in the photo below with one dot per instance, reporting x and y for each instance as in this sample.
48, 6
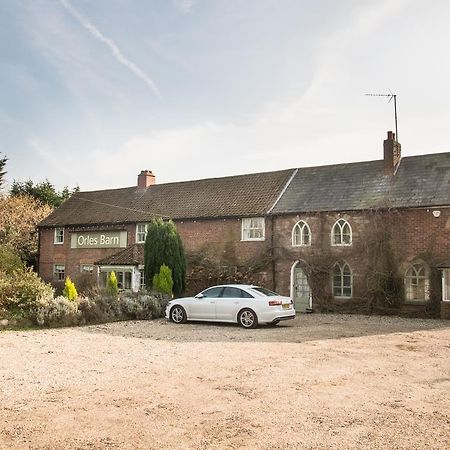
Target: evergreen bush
162, 281
70, 291
112, 287
163, 246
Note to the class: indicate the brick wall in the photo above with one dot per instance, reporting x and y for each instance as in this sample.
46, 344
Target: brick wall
50, 253
219, 239
416, 234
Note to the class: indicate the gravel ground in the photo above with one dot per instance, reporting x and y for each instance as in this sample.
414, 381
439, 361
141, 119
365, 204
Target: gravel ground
319, 382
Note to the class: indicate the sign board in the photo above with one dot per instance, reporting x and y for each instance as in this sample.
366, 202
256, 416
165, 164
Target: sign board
99, 239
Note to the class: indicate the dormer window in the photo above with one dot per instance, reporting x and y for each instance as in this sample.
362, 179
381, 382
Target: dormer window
341, 234
253, 229
59, 236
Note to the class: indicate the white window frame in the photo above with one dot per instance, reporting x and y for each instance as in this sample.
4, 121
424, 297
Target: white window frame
446, 285
82, 268
301, 225
140, 232
342, 265
415, 277
58, 237
56, 274
341, 223
247, 228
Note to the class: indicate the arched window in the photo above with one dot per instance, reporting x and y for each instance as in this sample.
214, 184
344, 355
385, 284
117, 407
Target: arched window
342, 280
301, 234
417, 284
341, 234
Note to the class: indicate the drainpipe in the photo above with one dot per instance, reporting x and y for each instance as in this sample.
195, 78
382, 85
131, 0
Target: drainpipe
272, 253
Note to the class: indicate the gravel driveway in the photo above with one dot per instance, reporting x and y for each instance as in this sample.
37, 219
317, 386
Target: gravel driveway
319, 382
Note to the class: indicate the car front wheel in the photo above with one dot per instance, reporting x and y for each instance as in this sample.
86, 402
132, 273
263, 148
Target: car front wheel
247, 318
178, 314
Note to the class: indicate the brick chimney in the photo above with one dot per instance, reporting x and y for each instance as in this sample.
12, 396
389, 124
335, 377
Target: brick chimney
145, 179
392, 153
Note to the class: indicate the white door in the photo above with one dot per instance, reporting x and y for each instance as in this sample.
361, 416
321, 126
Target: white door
301, 290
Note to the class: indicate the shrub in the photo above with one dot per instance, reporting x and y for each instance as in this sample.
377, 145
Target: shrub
70, 291
142, 306
111, 284
162, 281
21, 291
57, 311
86, 284
9, 260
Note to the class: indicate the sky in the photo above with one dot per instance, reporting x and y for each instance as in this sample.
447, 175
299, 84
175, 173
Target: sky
93, 92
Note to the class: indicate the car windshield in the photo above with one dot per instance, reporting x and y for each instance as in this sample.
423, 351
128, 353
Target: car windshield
265, 291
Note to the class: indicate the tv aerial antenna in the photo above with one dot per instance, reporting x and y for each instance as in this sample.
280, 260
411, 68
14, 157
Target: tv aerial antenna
390, 97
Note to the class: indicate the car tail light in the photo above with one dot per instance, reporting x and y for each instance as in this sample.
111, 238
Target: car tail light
275, 302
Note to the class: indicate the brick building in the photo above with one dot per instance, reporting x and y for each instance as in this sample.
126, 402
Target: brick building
334, 237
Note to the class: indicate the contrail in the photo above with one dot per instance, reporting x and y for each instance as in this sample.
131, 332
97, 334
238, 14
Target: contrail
112, 45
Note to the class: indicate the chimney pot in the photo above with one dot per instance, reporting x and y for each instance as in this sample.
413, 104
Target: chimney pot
145, 179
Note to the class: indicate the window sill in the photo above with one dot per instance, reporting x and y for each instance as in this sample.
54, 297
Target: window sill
416, 302
253, 240
58, 243
341, 245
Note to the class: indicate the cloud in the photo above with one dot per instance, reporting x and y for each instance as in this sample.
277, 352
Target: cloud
184, 6
119, 56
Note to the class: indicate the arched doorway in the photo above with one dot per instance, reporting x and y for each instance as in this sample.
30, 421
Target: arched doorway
300, 290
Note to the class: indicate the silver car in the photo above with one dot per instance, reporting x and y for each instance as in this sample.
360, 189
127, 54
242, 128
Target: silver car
245, 304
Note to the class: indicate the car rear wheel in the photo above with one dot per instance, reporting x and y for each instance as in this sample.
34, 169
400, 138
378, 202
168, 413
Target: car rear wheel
178, 314
247, 318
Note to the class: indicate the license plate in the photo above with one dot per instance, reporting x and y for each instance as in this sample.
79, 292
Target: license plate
287, 306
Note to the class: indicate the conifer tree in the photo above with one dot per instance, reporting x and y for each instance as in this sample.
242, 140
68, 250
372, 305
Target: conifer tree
163, 246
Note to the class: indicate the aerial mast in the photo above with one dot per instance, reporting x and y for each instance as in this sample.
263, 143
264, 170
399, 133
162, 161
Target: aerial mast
390, 96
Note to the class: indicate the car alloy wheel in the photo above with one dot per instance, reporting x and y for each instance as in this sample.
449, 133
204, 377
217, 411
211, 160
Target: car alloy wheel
178, 314
248, 319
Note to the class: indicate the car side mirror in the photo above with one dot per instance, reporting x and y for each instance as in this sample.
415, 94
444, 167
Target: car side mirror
199, 296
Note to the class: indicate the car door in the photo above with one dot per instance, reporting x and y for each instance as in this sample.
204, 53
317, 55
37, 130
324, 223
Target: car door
230, 302
203, 306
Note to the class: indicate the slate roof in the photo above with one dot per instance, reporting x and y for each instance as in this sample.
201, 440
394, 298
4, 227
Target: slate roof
130, 256
420, 181
236, 196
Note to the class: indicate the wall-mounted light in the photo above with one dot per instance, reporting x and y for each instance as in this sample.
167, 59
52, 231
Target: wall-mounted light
436, 213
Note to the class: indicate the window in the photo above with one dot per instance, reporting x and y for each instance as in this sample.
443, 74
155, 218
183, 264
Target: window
446, 290
253, 229
264, 291
59, 272
59, 236
342, 280
141, 279
232, 292
141, 232
87, 268
213, 292
123, 278
417, 283
301, 234
341, 234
